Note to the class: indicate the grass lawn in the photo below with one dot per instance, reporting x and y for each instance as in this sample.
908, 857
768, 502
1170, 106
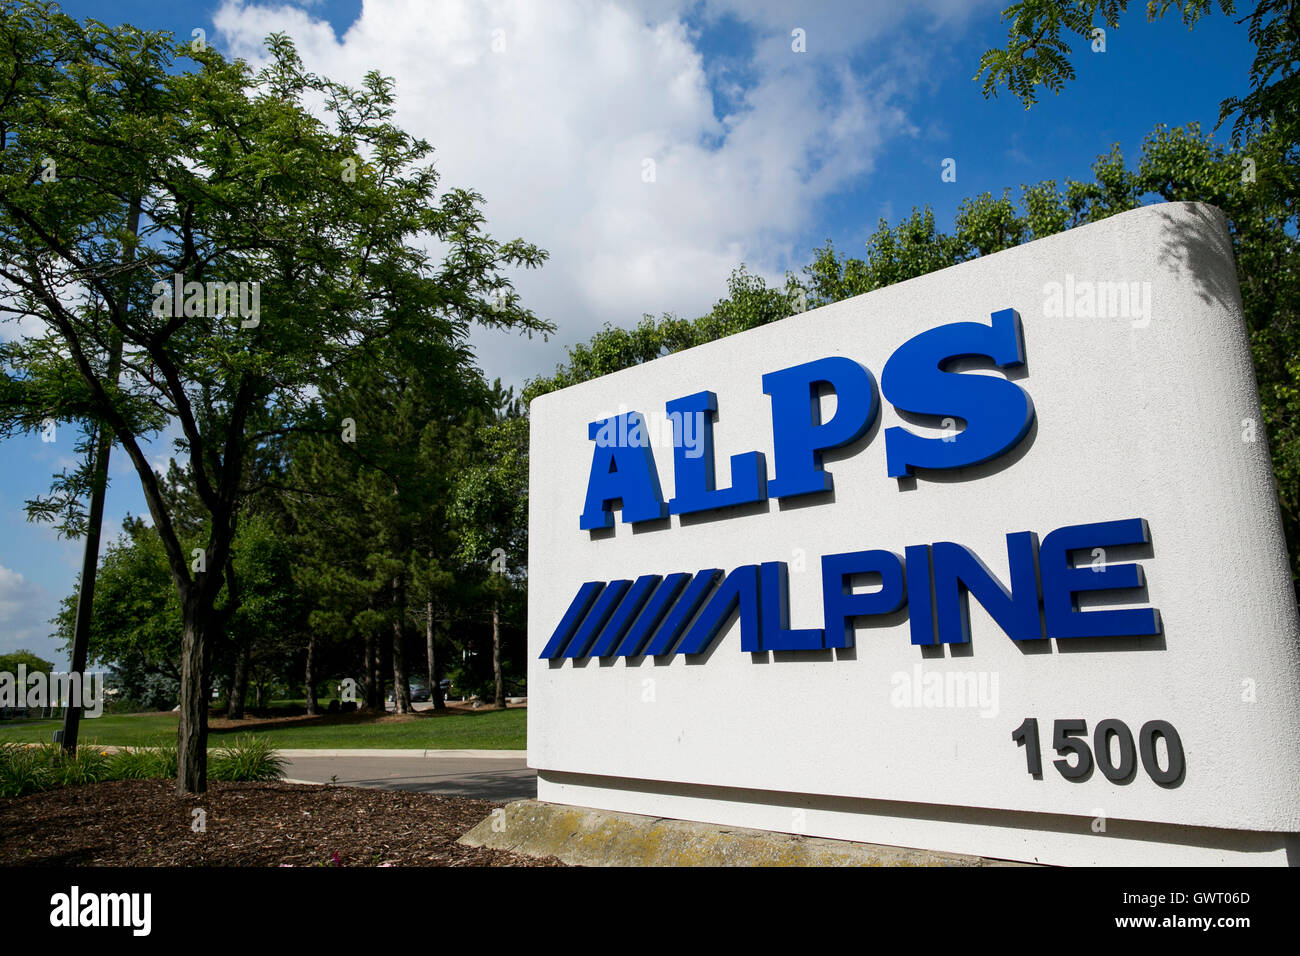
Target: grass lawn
481, 730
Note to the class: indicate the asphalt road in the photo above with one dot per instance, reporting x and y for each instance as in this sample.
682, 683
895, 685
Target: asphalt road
458, 773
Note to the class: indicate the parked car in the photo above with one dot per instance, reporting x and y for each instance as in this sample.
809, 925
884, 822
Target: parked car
418, 693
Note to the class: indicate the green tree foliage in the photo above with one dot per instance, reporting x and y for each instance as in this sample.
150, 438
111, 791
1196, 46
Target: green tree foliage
331, 545
137, 614
236, 181
490, 513
748, 304
380, 468
1255, 183
1175, 165
138, 620
365, 480
267, 613
9, 663
1038, 53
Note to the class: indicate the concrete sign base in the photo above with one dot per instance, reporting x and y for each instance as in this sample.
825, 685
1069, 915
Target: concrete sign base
584, 837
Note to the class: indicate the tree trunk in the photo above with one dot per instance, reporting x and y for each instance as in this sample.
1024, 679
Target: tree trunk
309, 677
239, 685
496, 653
401, 686
103, 447
89, 566
369, 683
192, 727
435, 685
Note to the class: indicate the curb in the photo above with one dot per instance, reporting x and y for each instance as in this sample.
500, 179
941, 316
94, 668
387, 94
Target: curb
470, 754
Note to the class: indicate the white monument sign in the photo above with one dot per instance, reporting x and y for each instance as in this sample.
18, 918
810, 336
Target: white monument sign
989, 561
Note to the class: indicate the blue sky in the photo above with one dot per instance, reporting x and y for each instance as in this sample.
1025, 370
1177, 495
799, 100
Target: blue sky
761, 153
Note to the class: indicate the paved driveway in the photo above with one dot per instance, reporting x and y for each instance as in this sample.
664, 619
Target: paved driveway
485, 774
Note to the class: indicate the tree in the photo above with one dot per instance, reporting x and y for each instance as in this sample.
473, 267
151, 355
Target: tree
384, 478
491, 511
1175, 165
749, 303
35, 665
311, 223
137, 612
1257, 184
9, 664
1037, 55
139, 624
268, 620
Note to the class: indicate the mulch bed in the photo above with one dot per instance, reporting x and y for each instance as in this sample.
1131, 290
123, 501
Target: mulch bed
146, 823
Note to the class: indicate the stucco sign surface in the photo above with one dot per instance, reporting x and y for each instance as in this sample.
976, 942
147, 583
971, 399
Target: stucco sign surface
1003, 536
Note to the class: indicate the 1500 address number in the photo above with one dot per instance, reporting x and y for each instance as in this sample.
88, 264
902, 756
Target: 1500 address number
1118, 763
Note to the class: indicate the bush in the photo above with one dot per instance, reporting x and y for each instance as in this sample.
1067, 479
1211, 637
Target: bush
143, 763
467, 682
168, 756
247, 759
87, 764
127, 705
29, 769
137, 689
23, 770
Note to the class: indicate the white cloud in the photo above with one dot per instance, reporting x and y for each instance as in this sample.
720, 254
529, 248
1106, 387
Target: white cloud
553, 130
13, 329
15, 593
24, 612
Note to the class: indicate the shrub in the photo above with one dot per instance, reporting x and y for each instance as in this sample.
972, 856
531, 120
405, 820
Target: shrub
29, 769
247, 759
23, 770
87, 764
149, 691
139, 763
167, 755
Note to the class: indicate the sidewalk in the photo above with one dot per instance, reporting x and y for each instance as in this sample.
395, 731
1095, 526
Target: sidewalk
498, 775
394, 752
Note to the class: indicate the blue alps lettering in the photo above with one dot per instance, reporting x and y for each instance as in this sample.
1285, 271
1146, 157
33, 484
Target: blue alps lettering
917, 379
684, 613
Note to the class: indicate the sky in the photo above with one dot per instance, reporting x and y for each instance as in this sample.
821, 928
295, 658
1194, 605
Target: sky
554, 111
